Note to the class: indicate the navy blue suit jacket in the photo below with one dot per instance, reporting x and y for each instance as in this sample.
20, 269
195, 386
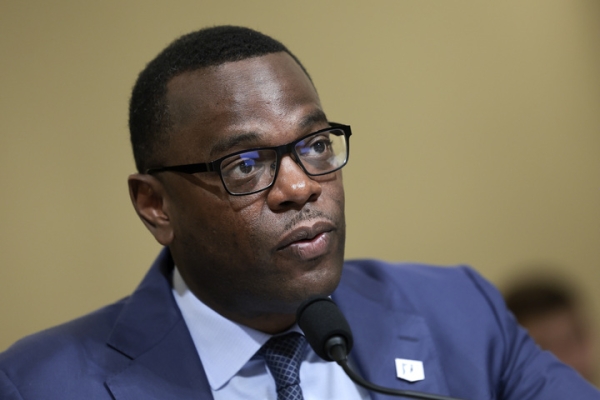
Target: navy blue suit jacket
448, 318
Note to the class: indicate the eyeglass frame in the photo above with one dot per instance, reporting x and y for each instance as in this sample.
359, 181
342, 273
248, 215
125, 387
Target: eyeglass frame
280, 151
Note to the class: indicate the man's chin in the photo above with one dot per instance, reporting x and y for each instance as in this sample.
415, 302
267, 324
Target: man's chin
320, 282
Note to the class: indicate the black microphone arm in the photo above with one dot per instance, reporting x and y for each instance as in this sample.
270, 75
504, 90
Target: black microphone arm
329, 334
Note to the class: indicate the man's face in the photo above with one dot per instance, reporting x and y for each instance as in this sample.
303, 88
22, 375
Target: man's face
252, 258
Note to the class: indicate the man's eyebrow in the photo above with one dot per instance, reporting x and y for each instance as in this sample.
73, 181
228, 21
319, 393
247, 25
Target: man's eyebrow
227, 143
232, 141
318, 116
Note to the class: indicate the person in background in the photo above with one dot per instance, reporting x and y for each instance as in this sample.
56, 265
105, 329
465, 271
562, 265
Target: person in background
553, 314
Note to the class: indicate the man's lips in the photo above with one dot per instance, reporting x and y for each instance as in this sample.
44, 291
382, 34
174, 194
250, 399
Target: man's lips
304, 233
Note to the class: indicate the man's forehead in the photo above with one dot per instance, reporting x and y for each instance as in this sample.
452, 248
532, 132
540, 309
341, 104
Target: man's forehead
218, 87
252, 102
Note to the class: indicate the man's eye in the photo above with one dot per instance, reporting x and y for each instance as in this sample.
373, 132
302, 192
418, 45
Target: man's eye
316, 147
243, 168
320, 146
246, 166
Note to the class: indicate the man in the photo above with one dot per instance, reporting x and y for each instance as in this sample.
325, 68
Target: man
239, 178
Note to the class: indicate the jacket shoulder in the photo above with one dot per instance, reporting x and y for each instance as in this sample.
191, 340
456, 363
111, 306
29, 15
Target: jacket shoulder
65, 354
415, 279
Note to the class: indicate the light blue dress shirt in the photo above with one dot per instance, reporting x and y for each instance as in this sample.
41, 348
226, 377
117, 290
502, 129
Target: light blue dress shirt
228, 354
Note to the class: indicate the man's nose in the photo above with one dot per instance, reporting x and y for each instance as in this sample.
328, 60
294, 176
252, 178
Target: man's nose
292, 187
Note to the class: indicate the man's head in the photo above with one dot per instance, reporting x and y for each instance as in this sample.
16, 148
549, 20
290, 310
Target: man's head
149, 117
252, 258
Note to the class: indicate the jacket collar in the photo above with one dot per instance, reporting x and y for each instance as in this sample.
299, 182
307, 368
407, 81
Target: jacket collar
151, 332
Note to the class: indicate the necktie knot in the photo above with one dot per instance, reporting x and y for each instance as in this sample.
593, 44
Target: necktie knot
283, 355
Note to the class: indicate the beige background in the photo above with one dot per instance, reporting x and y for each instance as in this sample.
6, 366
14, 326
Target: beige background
477, 136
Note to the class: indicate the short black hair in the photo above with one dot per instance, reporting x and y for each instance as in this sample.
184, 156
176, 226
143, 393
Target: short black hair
149, 119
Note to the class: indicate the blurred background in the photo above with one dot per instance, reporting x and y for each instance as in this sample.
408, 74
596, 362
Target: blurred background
476, 136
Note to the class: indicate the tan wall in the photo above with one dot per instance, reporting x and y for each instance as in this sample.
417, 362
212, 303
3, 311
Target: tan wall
477, 135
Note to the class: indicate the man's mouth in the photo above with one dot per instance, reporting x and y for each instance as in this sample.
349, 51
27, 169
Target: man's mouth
308, 241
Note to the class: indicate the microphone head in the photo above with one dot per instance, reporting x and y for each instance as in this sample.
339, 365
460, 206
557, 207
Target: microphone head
320, 319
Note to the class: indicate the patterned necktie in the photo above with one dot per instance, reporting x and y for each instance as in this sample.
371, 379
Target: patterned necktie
283, 355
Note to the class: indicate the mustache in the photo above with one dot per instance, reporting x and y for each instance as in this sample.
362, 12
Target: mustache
306, 215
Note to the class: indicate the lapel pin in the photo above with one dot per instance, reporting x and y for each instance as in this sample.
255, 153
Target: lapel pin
410, 370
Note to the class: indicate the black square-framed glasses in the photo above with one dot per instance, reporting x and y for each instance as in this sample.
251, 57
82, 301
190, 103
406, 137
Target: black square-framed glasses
254, 170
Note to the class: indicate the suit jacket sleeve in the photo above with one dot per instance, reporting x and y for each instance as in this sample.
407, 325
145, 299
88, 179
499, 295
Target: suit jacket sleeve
7, 389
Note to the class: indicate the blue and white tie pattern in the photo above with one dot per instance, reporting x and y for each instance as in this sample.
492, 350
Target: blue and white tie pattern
283, 355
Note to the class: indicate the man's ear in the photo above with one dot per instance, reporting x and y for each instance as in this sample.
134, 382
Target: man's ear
148, 198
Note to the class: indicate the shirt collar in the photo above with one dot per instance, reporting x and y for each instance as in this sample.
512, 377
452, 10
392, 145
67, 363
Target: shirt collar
223, 346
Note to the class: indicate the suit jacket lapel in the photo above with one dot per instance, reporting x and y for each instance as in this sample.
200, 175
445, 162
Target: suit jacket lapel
385, 326
151, 332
